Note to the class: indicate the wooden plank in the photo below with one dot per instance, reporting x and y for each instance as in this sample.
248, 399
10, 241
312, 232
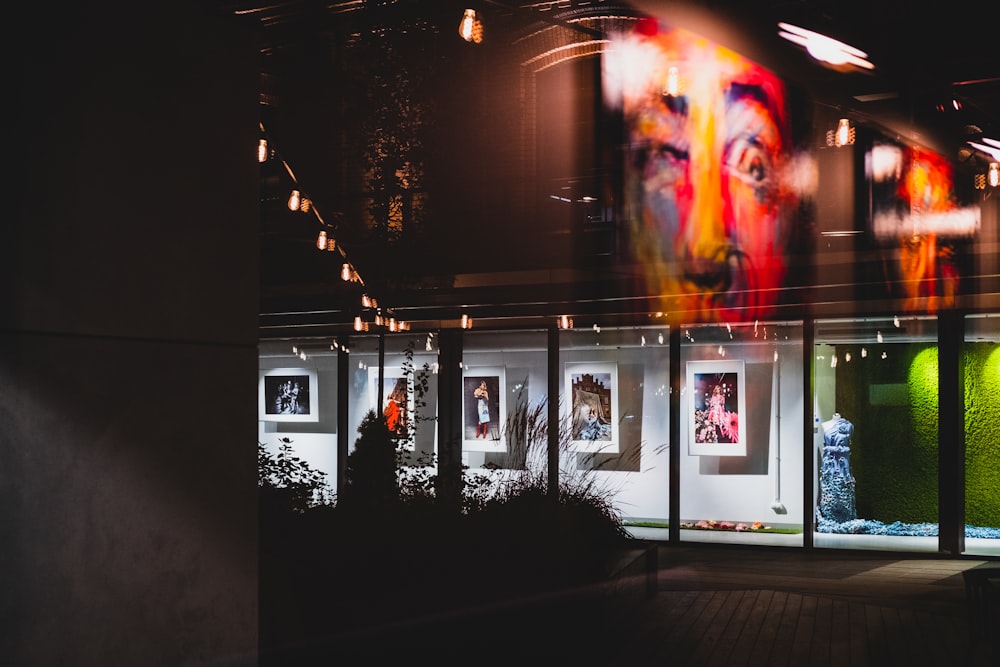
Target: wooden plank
802, 641
760, 653
729, 649
893, 640
780, 653
722, 608
840, 633
857, 633
876, 648
700, 629
819, 651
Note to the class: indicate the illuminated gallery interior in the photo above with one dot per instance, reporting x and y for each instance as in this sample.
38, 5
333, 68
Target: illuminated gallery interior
763, 303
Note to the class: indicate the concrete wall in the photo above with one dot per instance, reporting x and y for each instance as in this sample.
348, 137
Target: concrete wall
128, 331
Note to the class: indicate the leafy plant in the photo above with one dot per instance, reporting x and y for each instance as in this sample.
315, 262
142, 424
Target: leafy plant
287, 480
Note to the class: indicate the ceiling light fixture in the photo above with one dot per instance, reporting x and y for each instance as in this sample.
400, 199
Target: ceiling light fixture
823, 48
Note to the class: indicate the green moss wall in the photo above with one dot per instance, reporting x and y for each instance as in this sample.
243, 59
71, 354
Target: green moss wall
982, 434
894, 454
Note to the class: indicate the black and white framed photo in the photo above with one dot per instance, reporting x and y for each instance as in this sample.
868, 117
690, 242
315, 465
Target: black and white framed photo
716, 408
288, 395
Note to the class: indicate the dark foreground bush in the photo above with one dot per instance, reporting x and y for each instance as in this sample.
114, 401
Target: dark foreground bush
388, 573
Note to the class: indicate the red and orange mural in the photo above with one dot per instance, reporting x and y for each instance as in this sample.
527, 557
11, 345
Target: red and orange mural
918, 222
710, 179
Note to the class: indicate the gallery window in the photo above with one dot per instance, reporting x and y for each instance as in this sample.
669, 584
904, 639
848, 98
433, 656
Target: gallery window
615, 407
297, 401
741, 433
876, 412
981, 374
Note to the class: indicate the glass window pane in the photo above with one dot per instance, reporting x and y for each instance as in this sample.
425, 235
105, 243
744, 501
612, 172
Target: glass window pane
615, 402
741, 433
982, 423
876, 402
298, 402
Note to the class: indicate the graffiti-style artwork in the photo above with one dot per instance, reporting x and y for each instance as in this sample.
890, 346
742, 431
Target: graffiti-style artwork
711, 182
919, 223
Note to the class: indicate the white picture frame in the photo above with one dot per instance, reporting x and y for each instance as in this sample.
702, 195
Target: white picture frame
591, 406
716, 408
494, 439
288, 395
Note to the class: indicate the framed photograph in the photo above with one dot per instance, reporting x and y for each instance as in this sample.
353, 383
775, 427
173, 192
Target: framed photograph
484, 409
397, 400
288, 395
716, 408
592, 402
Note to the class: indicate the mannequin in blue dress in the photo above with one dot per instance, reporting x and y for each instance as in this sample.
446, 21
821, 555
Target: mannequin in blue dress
837, 502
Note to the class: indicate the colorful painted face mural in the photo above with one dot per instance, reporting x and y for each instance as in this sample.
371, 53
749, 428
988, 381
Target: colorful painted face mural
916, 216
707, 162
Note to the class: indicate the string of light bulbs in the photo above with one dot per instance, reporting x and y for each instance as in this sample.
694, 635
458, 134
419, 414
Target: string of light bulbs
327, 242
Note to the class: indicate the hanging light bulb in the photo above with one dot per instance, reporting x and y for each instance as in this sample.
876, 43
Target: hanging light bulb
466, 321
294, 200
321, 240
471, 28
994, 174
346, 272
262, 150
358, 324
842, 136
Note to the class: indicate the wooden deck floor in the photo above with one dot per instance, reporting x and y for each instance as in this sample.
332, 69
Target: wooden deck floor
736, 606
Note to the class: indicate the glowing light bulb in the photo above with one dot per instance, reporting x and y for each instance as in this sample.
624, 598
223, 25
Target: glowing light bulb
262, 150
673, 84
294, 200
994, 175
471, 28
321, 240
